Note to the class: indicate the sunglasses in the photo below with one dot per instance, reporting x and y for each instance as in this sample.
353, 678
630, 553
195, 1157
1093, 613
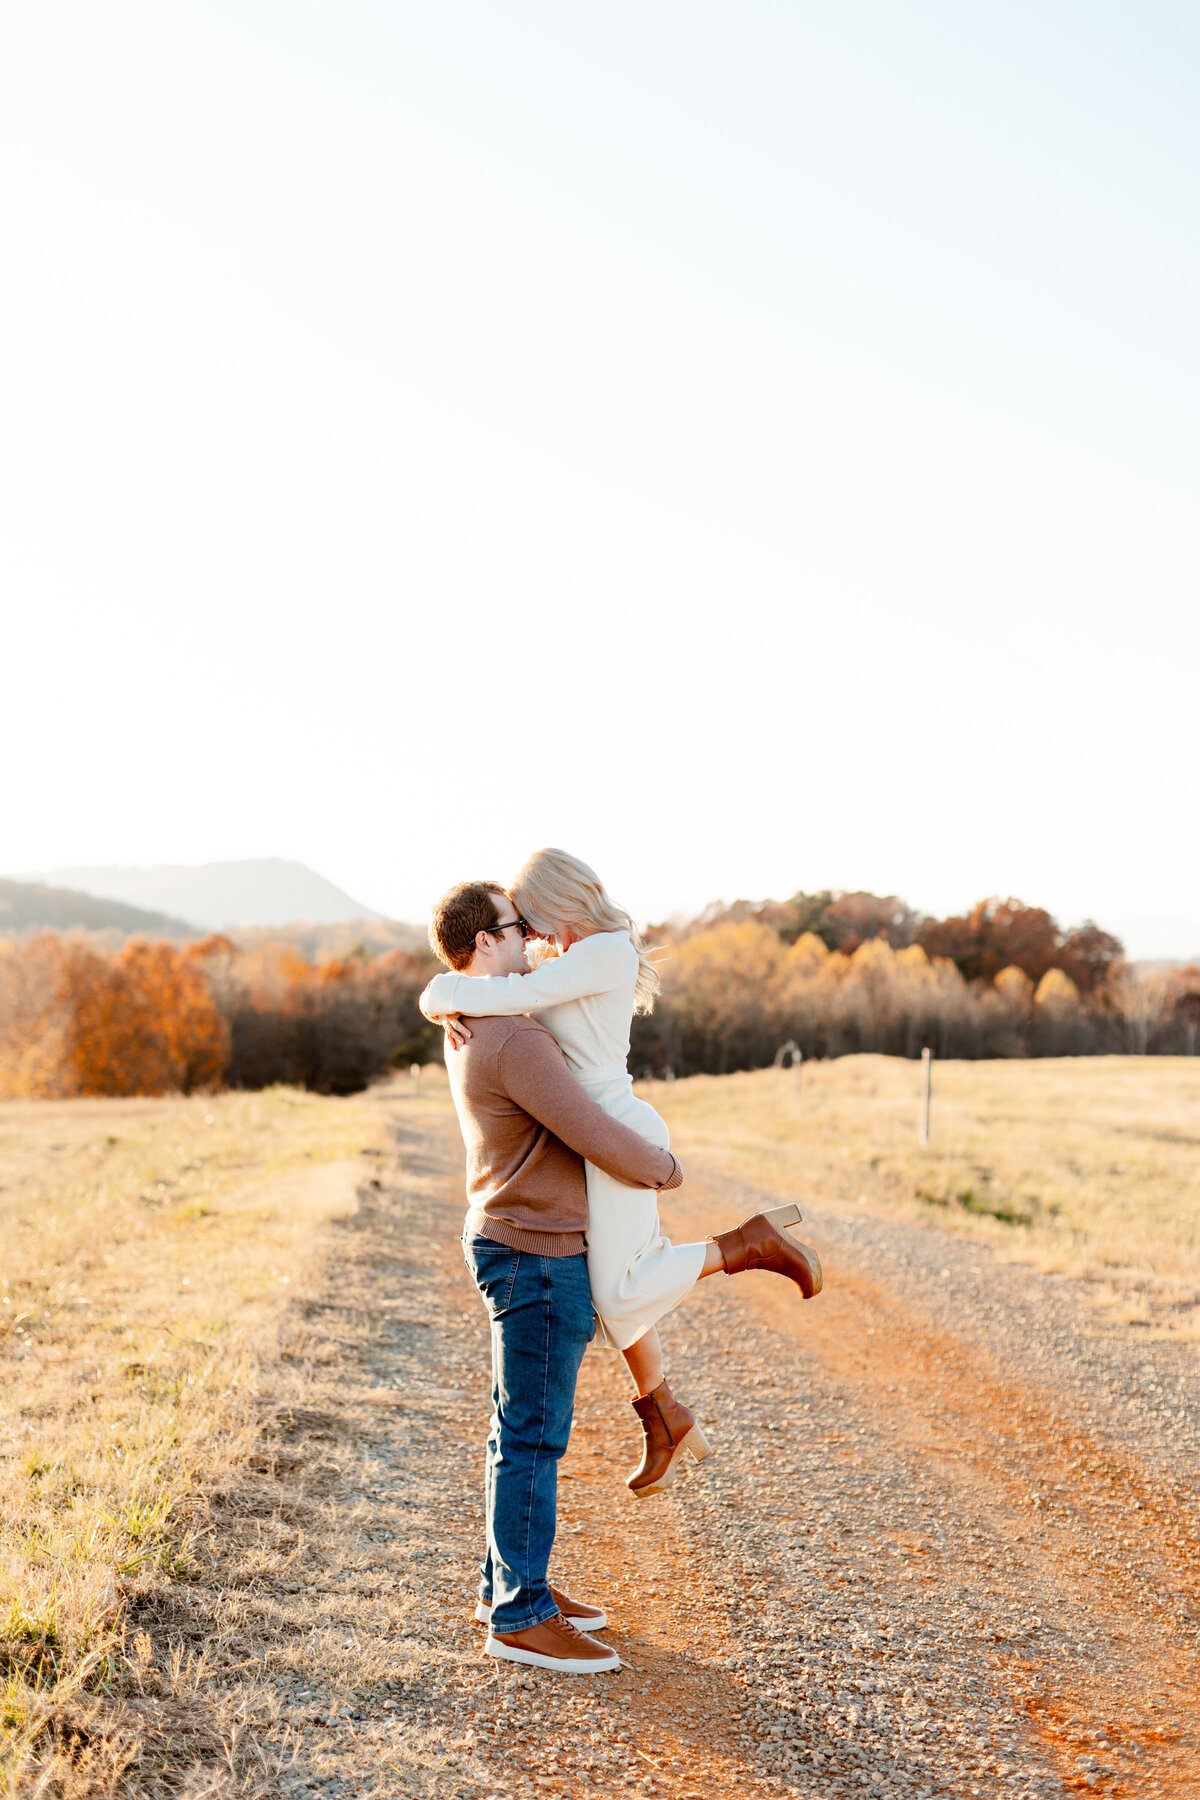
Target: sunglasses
499, 930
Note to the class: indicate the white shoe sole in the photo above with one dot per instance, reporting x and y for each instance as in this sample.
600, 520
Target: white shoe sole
483, 1616
561, 1665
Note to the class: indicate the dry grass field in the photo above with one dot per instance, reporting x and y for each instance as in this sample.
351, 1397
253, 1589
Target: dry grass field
148, 1252
1088, 1165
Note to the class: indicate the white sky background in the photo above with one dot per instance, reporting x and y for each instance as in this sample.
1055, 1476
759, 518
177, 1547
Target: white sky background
754, 445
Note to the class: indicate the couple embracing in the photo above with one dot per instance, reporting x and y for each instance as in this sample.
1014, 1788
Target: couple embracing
562, 1234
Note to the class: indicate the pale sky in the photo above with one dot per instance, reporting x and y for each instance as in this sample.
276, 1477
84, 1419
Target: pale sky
754, 446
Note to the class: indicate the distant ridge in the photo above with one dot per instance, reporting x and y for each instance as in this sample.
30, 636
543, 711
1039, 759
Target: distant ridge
30, 906
221, 896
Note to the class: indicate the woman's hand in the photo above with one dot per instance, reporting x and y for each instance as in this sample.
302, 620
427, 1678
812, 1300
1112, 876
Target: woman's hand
456, 1032
539, 950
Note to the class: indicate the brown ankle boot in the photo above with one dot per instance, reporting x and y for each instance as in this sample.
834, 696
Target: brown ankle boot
763, 1242
670, 1430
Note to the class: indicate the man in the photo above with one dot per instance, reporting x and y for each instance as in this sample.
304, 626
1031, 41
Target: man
527, 1125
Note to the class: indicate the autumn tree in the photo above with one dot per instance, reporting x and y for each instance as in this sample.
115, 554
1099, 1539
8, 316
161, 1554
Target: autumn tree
851, 919
34, 1018
1184, 991
1090, 956
1001, 934
720, 1007
143, 1022
842, 920
76, 1021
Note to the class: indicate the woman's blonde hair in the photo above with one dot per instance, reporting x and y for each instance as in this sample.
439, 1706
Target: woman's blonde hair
554, 888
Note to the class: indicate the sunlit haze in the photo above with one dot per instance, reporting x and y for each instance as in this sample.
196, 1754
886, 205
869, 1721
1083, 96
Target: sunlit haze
752, 446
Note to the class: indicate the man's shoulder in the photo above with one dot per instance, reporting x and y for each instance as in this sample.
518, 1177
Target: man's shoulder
496, 1030
503, 1054
492, 1036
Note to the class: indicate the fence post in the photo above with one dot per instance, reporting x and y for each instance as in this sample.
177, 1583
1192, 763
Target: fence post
927, 1091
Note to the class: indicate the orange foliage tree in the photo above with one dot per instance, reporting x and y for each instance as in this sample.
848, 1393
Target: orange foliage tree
1007, 934
144, 1022
75, 1021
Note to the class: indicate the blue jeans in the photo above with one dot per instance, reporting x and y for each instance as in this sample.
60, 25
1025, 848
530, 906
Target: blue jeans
540, 1309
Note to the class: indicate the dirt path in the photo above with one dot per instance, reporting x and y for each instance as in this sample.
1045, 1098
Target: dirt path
947, 1544
975, 1522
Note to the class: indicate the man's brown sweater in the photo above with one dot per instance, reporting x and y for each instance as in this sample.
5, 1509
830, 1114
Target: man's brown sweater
527, 1125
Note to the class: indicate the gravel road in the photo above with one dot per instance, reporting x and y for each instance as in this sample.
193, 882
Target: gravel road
945, 1545
966, 1547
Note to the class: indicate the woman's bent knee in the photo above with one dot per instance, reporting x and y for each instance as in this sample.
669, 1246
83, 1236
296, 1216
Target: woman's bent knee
616, 1306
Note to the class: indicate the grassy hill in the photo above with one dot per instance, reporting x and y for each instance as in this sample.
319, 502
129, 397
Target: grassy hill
27, 906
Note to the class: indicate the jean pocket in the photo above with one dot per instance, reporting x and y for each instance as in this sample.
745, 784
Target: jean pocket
493, 1269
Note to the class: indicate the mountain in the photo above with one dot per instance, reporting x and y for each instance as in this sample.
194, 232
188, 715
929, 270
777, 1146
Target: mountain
28, 906
269, 890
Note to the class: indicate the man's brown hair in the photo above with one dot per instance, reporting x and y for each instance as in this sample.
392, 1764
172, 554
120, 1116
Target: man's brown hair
467, 909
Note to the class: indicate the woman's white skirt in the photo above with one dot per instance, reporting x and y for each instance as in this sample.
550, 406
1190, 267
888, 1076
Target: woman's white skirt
636, 1273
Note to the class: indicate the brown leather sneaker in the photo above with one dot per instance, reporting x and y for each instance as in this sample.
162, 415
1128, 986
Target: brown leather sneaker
582, 1616
764, 1242
554, 1645
670, 1430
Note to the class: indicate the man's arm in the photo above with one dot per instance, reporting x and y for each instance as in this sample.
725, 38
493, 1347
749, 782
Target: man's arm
534, 1073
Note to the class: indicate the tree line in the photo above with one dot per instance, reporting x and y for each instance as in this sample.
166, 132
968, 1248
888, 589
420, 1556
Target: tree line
154, 1017
831, 973
839, 973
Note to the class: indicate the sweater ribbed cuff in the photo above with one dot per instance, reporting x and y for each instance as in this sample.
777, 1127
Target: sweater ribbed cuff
675, 1178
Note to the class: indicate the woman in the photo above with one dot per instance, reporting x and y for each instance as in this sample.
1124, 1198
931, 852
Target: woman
586, 995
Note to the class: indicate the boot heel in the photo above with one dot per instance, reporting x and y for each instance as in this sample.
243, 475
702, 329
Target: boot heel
697, 1443
781, 1217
